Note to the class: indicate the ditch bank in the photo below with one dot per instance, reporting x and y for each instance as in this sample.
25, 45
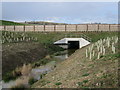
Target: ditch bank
16, 54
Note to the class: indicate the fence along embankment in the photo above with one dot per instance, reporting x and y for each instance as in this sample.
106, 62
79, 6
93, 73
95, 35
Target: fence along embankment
62, 28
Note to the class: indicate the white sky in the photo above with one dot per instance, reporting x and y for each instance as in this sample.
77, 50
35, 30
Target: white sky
60, 0
93, 12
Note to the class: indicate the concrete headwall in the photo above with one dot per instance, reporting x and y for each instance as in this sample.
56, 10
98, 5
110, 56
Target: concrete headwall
64, 42
59, 28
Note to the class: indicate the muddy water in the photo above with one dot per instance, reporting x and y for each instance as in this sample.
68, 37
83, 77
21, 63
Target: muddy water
65, 54
50, 66
37, 72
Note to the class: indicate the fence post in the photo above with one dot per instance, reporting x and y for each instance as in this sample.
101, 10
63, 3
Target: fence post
65, 27
76, 27
118, 27
87, 27
24, 28
54, 28
109, 27
34, 28
98, 27
4, 27
14, 27
44, 28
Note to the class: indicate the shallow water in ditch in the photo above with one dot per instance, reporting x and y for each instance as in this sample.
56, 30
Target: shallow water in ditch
37, 72
50, 66
65, 54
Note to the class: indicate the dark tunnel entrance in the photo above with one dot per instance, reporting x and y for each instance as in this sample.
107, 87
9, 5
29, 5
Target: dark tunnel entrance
73, 44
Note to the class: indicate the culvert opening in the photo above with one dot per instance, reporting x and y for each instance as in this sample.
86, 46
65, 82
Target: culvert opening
73, 44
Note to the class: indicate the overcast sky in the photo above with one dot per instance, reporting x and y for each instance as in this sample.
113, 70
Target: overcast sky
61, 12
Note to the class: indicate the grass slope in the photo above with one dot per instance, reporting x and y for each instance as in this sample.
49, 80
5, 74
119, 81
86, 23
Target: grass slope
80, 72
23, 49
45, 23
54, 36
3, 22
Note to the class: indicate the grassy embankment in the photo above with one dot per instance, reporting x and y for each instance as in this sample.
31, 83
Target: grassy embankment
44, 23
23, 48
27, 50
3, 22
81, 72
44, 40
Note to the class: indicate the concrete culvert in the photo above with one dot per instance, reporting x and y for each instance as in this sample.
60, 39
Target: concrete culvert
73, 44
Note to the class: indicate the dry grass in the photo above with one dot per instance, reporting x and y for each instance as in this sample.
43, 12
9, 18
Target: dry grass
21, 82
26, 69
